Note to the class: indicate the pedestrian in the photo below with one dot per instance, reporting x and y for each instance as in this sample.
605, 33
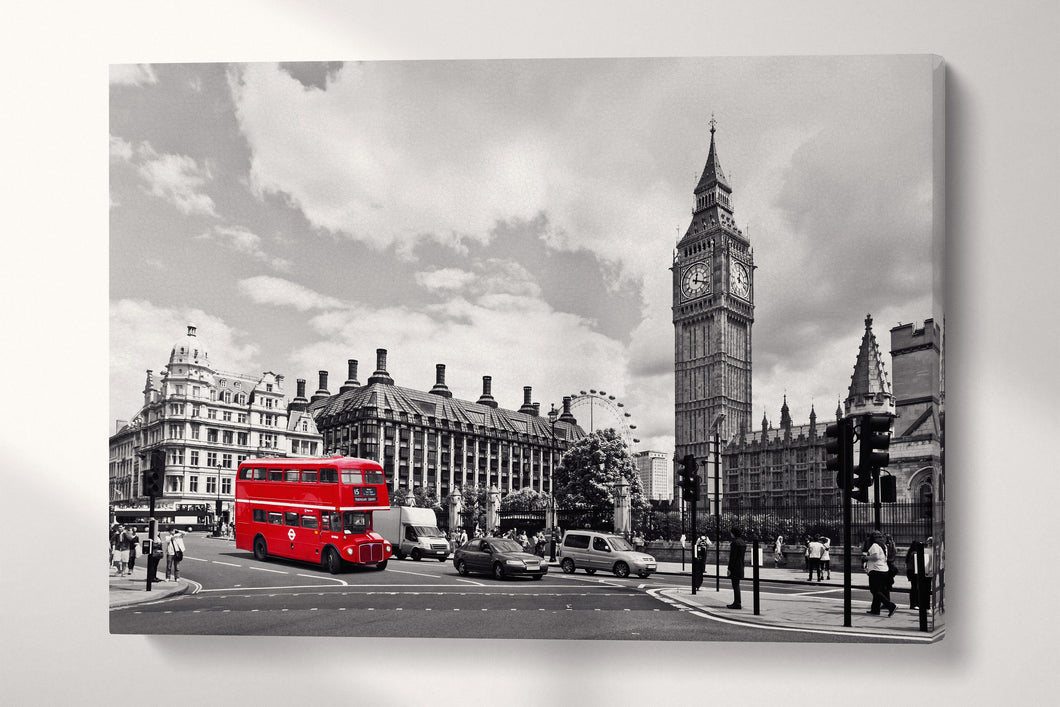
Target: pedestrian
737, 550
638, 542
778, 551
892, 557
911, 573
699, 560
121, 550
814, 553
826, 558
879, 577
176, 552
463, 537
134, 546
524, 542
153, 559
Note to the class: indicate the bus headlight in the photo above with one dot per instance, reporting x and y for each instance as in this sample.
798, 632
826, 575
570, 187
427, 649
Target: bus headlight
349, 551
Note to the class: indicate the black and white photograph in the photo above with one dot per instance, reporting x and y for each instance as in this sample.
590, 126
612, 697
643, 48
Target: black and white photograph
562, 304
597, 353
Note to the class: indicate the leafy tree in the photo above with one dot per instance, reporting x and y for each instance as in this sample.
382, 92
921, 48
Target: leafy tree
473, 500
525, 499
424, 497
588, 472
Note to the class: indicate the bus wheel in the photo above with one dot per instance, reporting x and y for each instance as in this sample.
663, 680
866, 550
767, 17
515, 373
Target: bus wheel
332, 561
382, 565
261, 552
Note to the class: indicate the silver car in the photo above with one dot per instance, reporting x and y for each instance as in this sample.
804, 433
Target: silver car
590, 550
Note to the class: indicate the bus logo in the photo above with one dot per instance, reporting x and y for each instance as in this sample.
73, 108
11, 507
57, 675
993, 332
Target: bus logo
290, 534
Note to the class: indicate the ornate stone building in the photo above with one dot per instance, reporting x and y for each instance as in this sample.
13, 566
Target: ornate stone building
433, 440
206, 421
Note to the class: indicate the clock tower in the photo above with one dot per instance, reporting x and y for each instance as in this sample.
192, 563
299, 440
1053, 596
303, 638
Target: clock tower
713, 310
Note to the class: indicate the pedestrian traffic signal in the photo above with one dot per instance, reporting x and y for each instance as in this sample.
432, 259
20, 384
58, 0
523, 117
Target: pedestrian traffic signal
155, 474
689, 478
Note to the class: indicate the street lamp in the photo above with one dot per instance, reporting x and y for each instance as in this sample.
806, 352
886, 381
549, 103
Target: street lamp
718, 419
553, 415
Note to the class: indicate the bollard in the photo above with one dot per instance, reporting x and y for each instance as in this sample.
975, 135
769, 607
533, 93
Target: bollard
755, 561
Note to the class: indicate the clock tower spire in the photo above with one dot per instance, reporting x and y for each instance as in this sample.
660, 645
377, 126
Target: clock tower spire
713, 310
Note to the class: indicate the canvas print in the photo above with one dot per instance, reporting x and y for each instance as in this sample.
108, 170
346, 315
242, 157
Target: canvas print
608, 349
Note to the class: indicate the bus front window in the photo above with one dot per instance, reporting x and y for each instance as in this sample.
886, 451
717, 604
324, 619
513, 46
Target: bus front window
354, 522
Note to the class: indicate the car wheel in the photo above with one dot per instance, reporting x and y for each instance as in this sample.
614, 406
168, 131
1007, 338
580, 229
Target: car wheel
643, 574
538, 576
567, 566
442, 559
416, 555
381, 565
590, 570
461, 568
498, 570
261, 551
399, 554
332, 561
621, 569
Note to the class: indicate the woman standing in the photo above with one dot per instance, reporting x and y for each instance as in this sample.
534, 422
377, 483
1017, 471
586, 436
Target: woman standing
778, 551
879, 577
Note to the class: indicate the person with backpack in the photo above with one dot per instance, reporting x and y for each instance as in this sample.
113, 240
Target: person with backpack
174, 553
875, 560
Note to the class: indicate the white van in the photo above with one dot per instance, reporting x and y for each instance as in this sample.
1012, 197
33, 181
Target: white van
412, 531
590, 550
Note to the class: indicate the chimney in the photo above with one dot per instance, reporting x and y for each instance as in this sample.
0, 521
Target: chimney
527, 407
380, 375
440, 388
322, 392
351, 379
537, 410
299, 403
487, 399
566, 415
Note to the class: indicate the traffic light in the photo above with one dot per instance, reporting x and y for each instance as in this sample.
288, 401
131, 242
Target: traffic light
689, 479
155, 474
839, 447
875, 439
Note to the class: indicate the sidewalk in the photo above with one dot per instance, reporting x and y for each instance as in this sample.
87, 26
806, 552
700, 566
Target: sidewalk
818, 608
132, 589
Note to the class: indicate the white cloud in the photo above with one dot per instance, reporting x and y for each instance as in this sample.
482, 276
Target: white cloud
132, 74
444, 279
264, 289
244, 241
176, 178
142, 335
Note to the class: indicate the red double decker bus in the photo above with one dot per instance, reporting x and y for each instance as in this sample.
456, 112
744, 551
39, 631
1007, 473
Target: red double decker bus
314, 510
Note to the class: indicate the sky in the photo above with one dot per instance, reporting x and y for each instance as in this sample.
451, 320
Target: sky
513, 218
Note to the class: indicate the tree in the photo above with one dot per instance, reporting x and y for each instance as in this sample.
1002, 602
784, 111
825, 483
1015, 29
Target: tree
473, 499
588, 472
425, 497
525, 499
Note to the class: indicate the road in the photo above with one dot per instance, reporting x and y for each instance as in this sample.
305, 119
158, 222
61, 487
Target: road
237, 595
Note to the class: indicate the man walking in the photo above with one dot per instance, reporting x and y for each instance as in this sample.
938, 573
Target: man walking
737, 549
814, 555
699, 561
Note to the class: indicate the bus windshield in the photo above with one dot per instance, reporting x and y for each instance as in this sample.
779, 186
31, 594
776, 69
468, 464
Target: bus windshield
426, 531
354, 521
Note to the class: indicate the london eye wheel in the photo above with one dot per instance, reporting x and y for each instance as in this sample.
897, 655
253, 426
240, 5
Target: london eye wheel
595, 410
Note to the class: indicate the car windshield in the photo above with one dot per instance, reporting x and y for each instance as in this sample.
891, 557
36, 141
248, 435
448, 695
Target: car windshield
500, 545
620, 543
427, 531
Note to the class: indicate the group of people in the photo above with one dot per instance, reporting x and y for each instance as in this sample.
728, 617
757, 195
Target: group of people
734, 568
125, 543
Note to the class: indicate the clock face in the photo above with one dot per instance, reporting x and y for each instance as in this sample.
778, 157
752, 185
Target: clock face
696, 280
740, 280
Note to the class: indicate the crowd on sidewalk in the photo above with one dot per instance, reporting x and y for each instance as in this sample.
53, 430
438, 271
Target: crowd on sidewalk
125, 546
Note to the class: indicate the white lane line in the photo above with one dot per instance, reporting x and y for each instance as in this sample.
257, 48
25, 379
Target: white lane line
333, 579
229, 564
418, 574
471, 581
262, 569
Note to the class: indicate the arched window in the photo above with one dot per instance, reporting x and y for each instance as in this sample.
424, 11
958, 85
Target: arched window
926, 500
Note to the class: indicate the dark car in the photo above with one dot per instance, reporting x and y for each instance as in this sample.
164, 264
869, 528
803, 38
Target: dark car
500, 557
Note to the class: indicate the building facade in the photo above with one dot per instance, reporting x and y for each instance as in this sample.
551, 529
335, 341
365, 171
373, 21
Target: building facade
432, 440
713, 312
655, 470
206, 421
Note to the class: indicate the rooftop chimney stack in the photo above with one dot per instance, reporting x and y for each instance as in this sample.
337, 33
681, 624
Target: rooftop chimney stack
351, 381
566, 415
380, 375
299, 403
486, 398
440, 387
527, 407
322, 391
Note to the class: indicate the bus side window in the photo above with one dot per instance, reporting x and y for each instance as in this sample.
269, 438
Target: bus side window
275, 475
325, 521
336, 522
291, 475
309, 522
291, 518
309, 477
329, 476
276, 518
259, 515
259, 474
244, 473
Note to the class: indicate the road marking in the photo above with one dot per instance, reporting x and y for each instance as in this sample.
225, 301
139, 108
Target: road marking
230, 564
418, 574
262, 569
333, 579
